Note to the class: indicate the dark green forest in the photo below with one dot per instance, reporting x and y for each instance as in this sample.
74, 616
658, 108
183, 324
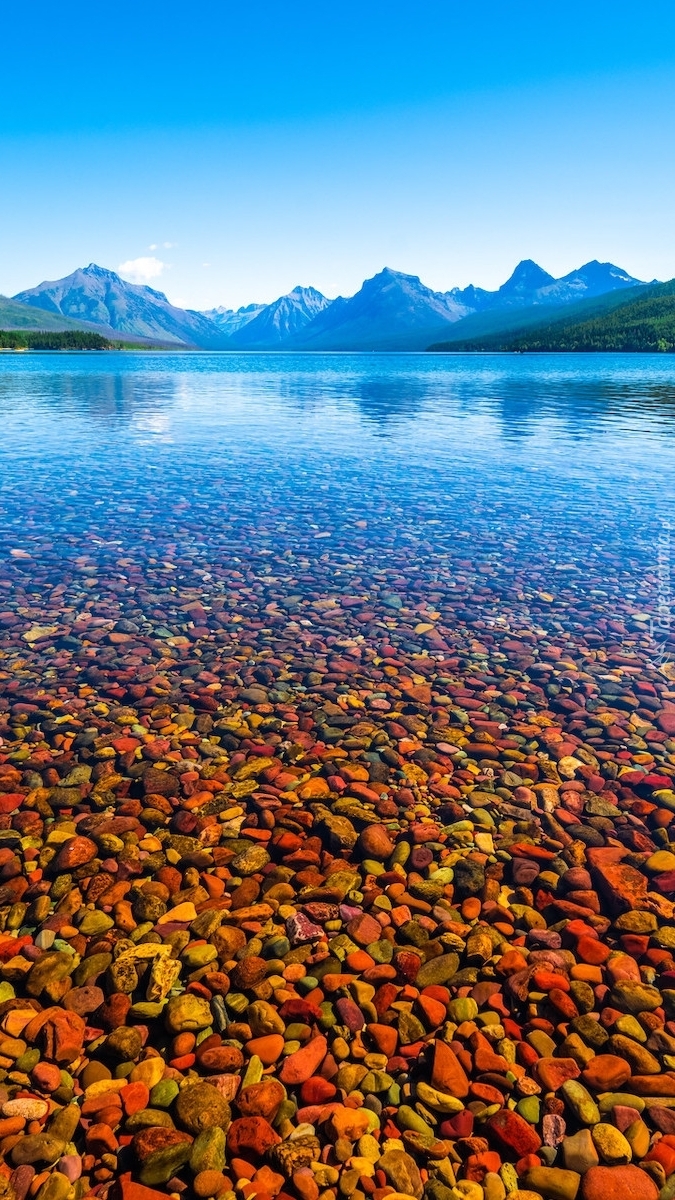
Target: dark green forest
69, 339
644, 325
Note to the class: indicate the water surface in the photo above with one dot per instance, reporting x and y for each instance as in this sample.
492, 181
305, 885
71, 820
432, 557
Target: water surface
503, 479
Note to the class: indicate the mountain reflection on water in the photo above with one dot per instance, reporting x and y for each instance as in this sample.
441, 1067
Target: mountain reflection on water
581, 394
551, 433
540, 487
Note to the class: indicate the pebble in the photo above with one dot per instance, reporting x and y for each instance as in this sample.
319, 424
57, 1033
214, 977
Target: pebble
328, 875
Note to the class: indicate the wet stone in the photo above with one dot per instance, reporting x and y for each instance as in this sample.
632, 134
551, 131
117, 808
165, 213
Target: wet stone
328, 871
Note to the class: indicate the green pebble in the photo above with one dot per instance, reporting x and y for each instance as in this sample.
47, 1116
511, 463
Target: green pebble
381, 951
26, 1062
463, 1009
371, 867
62, 1124
148, 1118
164, 1093
668, 1190
140, 931
146, 1010
437, 970
237, 1001
208, 1150
543, 1044
608, 1100
90, 967
375, 1082
631, 1028
277, 947
328, 1019
308, 983
199, 956
435, 1189
410, 1029
6, 992
163, 1164
401, 854
287, 1110
297, 1031
56, 1187
581, 1102
95, 922
444, 875
590, 1029
481, 816
630, 996
637, 921
254, 1072
62, 946
430, 890
529, 1108
407, 1118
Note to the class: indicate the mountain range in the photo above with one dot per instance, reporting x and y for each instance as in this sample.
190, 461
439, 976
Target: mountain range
634, 320
391, 311
99, 297
269, 326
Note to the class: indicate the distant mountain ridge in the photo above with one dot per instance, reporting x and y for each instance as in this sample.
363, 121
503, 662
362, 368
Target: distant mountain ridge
391, 310
394, 311
100, 297
637, 319
282, 320
530, 284
230, 320
16, 316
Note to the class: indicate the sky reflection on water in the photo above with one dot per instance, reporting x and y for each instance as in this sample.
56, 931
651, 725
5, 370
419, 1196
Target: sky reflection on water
554, 437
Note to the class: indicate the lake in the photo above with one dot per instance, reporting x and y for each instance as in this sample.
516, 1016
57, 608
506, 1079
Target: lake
324, 664
549, 474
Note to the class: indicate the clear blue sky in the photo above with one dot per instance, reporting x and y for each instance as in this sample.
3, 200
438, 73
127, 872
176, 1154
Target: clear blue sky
314, 142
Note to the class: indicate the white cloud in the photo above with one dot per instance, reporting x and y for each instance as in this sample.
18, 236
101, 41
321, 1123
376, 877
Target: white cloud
153, 246
169, 245
206, 264
141, 270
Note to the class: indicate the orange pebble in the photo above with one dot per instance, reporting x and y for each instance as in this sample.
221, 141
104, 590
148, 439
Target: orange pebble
511, 962
592, 951
10, 1125
183, 1063
215, 887
268, 1048
359, 960
433, 1010
183, 1043
241, 1169
293, 972
586, 973
135, 1097
316, 996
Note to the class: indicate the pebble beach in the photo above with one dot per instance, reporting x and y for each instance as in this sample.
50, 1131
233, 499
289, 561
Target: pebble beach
336, 792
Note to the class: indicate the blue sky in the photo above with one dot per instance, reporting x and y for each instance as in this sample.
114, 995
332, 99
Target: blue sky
226, 155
